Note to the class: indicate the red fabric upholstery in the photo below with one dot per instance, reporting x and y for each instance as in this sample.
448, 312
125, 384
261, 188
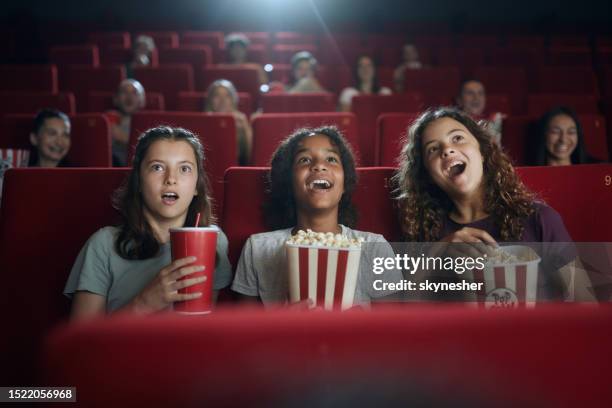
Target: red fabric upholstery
293, 38
269, 129
111, 38
538, 104
392, 131
367, 108
466, 58
37, 78
90, 138
32, 102
376, 211
216, 131
194, 102
255, 54
114, 54
514, 57
435, 355
103, 101
245, 79
83, 80
282, 53
594, 127
168, 79
511, 82
212, 38
259, 38
298, 102
75, 55
570, 56
196, 55
556, 80
45, 218
579, 194
432, 80
167, 39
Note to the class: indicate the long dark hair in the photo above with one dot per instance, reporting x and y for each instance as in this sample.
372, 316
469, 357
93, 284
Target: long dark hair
424, 206
136, 239
280, 208
375, 82
540, 152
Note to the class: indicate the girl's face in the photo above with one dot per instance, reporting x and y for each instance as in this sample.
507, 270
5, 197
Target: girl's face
561, 137
52, 140
129, 98
169, 175
222, 100
318, 175
365, 69
452, 157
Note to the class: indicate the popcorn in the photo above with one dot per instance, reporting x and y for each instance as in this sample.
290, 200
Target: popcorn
322, 239
503, 257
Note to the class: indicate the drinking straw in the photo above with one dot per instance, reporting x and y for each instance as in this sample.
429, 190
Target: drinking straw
197, 220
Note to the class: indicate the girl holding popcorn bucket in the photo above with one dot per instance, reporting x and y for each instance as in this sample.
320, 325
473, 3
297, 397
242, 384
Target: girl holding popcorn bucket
311, 180
456, 186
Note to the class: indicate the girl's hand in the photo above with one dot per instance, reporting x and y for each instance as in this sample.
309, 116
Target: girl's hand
163, 290
471, 242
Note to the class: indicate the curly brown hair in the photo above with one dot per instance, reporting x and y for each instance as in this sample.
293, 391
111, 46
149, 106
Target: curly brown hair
424, 207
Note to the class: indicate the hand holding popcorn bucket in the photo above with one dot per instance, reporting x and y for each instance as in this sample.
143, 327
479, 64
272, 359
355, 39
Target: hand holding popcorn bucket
323, 268
510, 278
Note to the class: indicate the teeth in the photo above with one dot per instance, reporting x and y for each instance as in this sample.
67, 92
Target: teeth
170, 195
320, 184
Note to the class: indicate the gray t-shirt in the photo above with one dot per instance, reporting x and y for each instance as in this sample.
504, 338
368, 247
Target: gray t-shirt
99, 269
262, 268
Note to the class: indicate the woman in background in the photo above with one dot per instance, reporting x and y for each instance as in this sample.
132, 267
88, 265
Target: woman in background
366, 83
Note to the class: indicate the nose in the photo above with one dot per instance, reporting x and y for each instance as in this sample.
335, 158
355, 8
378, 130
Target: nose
170, 177
447, 151
319, 165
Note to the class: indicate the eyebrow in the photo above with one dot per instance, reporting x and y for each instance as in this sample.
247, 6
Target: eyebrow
162, 161
303, 149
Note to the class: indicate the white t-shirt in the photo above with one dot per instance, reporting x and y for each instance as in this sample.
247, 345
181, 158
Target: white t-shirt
346, 96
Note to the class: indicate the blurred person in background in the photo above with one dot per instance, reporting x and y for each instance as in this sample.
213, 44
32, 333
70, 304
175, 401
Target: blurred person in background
410, 60
142, 51
365, 83
50, 139
472, 99
237, 45
129, 99
303, 74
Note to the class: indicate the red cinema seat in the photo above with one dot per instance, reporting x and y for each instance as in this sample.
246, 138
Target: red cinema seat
432, 80
467, 58
606, 81
570, 56
538, 104
245, 79
269, 129
391, 356
391, 136
515, 133
478, 41
367, 108
36, 78
114, 55
372, 198
511, 82
47, 215
594, 127
335, 78
576, 80
259, 38
111, 38
214, 39
298, 102
103, 101
163, 39
168, 80
196, 55
32, 102
75, 55
293, 38
83, 80
194, 102
217, 133
90, 138
255, 54
514, 57
580, 193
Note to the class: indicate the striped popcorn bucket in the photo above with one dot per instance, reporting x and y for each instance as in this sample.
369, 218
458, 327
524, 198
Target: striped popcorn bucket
10, 158
509, 285
325, 275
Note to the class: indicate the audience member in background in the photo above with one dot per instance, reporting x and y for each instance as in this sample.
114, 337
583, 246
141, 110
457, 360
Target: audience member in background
457, 186
311, 180
237, 45
129, 99
560, 139
472, 99
303, 74
366, 83
50, 138
129, 267
142, 50
410, 60
222, 97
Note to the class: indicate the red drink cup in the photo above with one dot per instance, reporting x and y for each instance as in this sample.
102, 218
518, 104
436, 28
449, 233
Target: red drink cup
201, 243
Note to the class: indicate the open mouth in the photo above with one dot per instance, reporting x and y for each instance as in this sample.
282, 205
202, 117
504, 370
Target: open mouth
169, 198
320, 184
456, 168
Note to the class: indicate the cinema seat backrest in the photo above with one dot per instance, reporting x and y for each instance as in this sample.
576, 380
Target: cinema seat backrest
392, 131
217, 133
32, 102
36, 78
269, 129
46, 216
245, 193
582, 194
169, 80
191, 101
90, 138
299, 102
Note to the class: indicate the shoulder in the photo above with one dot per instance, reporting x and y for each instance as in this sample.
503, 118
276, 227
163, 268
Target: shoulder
104, 236
546, 213
550, 224
367, 236
270, 237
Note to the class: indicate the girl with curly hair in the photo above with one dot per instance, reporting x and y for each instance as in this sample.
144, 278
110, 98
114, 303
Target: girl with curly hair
311, 180
129, 267
457, 186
